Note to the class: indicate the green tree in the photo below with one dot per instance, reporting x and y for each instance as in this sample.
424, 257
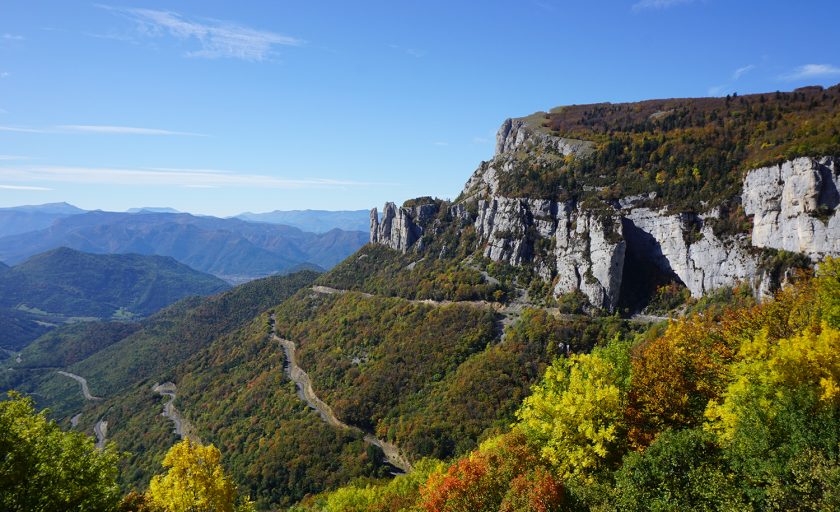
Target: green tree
784, 401
43, 468
681, 471
195, 482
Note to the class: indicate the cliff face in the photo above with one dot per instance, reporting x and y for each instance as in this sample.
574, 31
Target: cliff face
794, 206
592, 246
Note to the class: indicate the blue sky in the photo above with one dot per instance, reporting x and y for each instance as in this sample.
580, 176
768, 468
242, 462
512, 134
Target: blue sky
220, 107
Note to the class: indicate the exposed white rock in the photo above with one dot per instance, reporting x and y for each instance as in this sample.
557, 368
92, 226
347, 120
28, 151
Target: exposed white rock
789, 204
400, 227
396, 229
785, 199
589, 252
515, 135
704, 265
589, 248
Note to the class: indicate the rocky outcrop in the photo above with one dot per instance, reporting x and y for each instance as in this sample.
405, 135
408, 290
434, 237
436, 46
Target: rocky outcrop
400, 227
513, 137
516, 135
794, 206
586, 248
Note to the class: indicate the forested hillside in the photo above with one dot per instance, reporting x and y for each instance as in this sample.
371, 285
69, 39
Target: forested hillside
115, 357
64, 285
74, 283
732, 409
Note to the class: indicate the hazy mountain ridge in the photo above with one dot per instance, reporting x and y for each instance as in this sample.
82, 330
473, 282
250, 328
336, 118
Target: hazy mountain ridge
22, 219
223, 247
316, 221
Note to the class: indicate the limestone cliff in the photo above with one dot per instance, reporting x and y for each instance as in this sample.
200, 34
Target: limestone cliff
590, 244
794, 206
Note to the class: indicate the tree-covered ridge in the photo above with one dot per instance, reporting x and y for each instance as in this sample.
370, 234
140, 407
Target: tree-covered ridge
74, 283
74, 343
738, 410
691, 152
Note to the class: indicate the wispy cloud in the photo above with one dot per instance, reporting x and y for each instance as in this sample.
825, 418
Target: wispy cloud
717, 90
100, 129
122, 130
20, 129
441, 143
215, 38
7, 158
22, 187
738, 73
658, 4
12, 37
721, 89
408, 51
193, 178
812, 71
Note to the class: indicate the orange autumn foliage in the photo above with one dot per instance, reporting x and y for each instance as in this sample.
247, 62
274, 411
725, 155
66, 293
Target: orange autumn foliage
535, 491
674, 377
503, 474
677, 374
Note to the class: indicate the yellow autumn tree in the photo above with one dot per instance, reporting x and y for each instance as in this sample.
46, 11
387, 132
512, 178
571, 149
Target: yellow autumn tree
576, 414
804, 368
828, 287
195, 482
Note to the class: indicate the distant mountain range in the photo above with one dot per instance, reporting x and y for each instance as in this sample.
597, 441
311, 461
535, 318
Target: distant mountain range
21, 219
153, 209
53, 287
316, 221
233, 249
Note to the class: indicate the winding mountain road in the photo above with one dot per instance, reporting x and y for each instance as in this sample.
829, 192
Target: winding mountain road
510, 312
101, 427
183, 429
82, 382
307, 394
101, 431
